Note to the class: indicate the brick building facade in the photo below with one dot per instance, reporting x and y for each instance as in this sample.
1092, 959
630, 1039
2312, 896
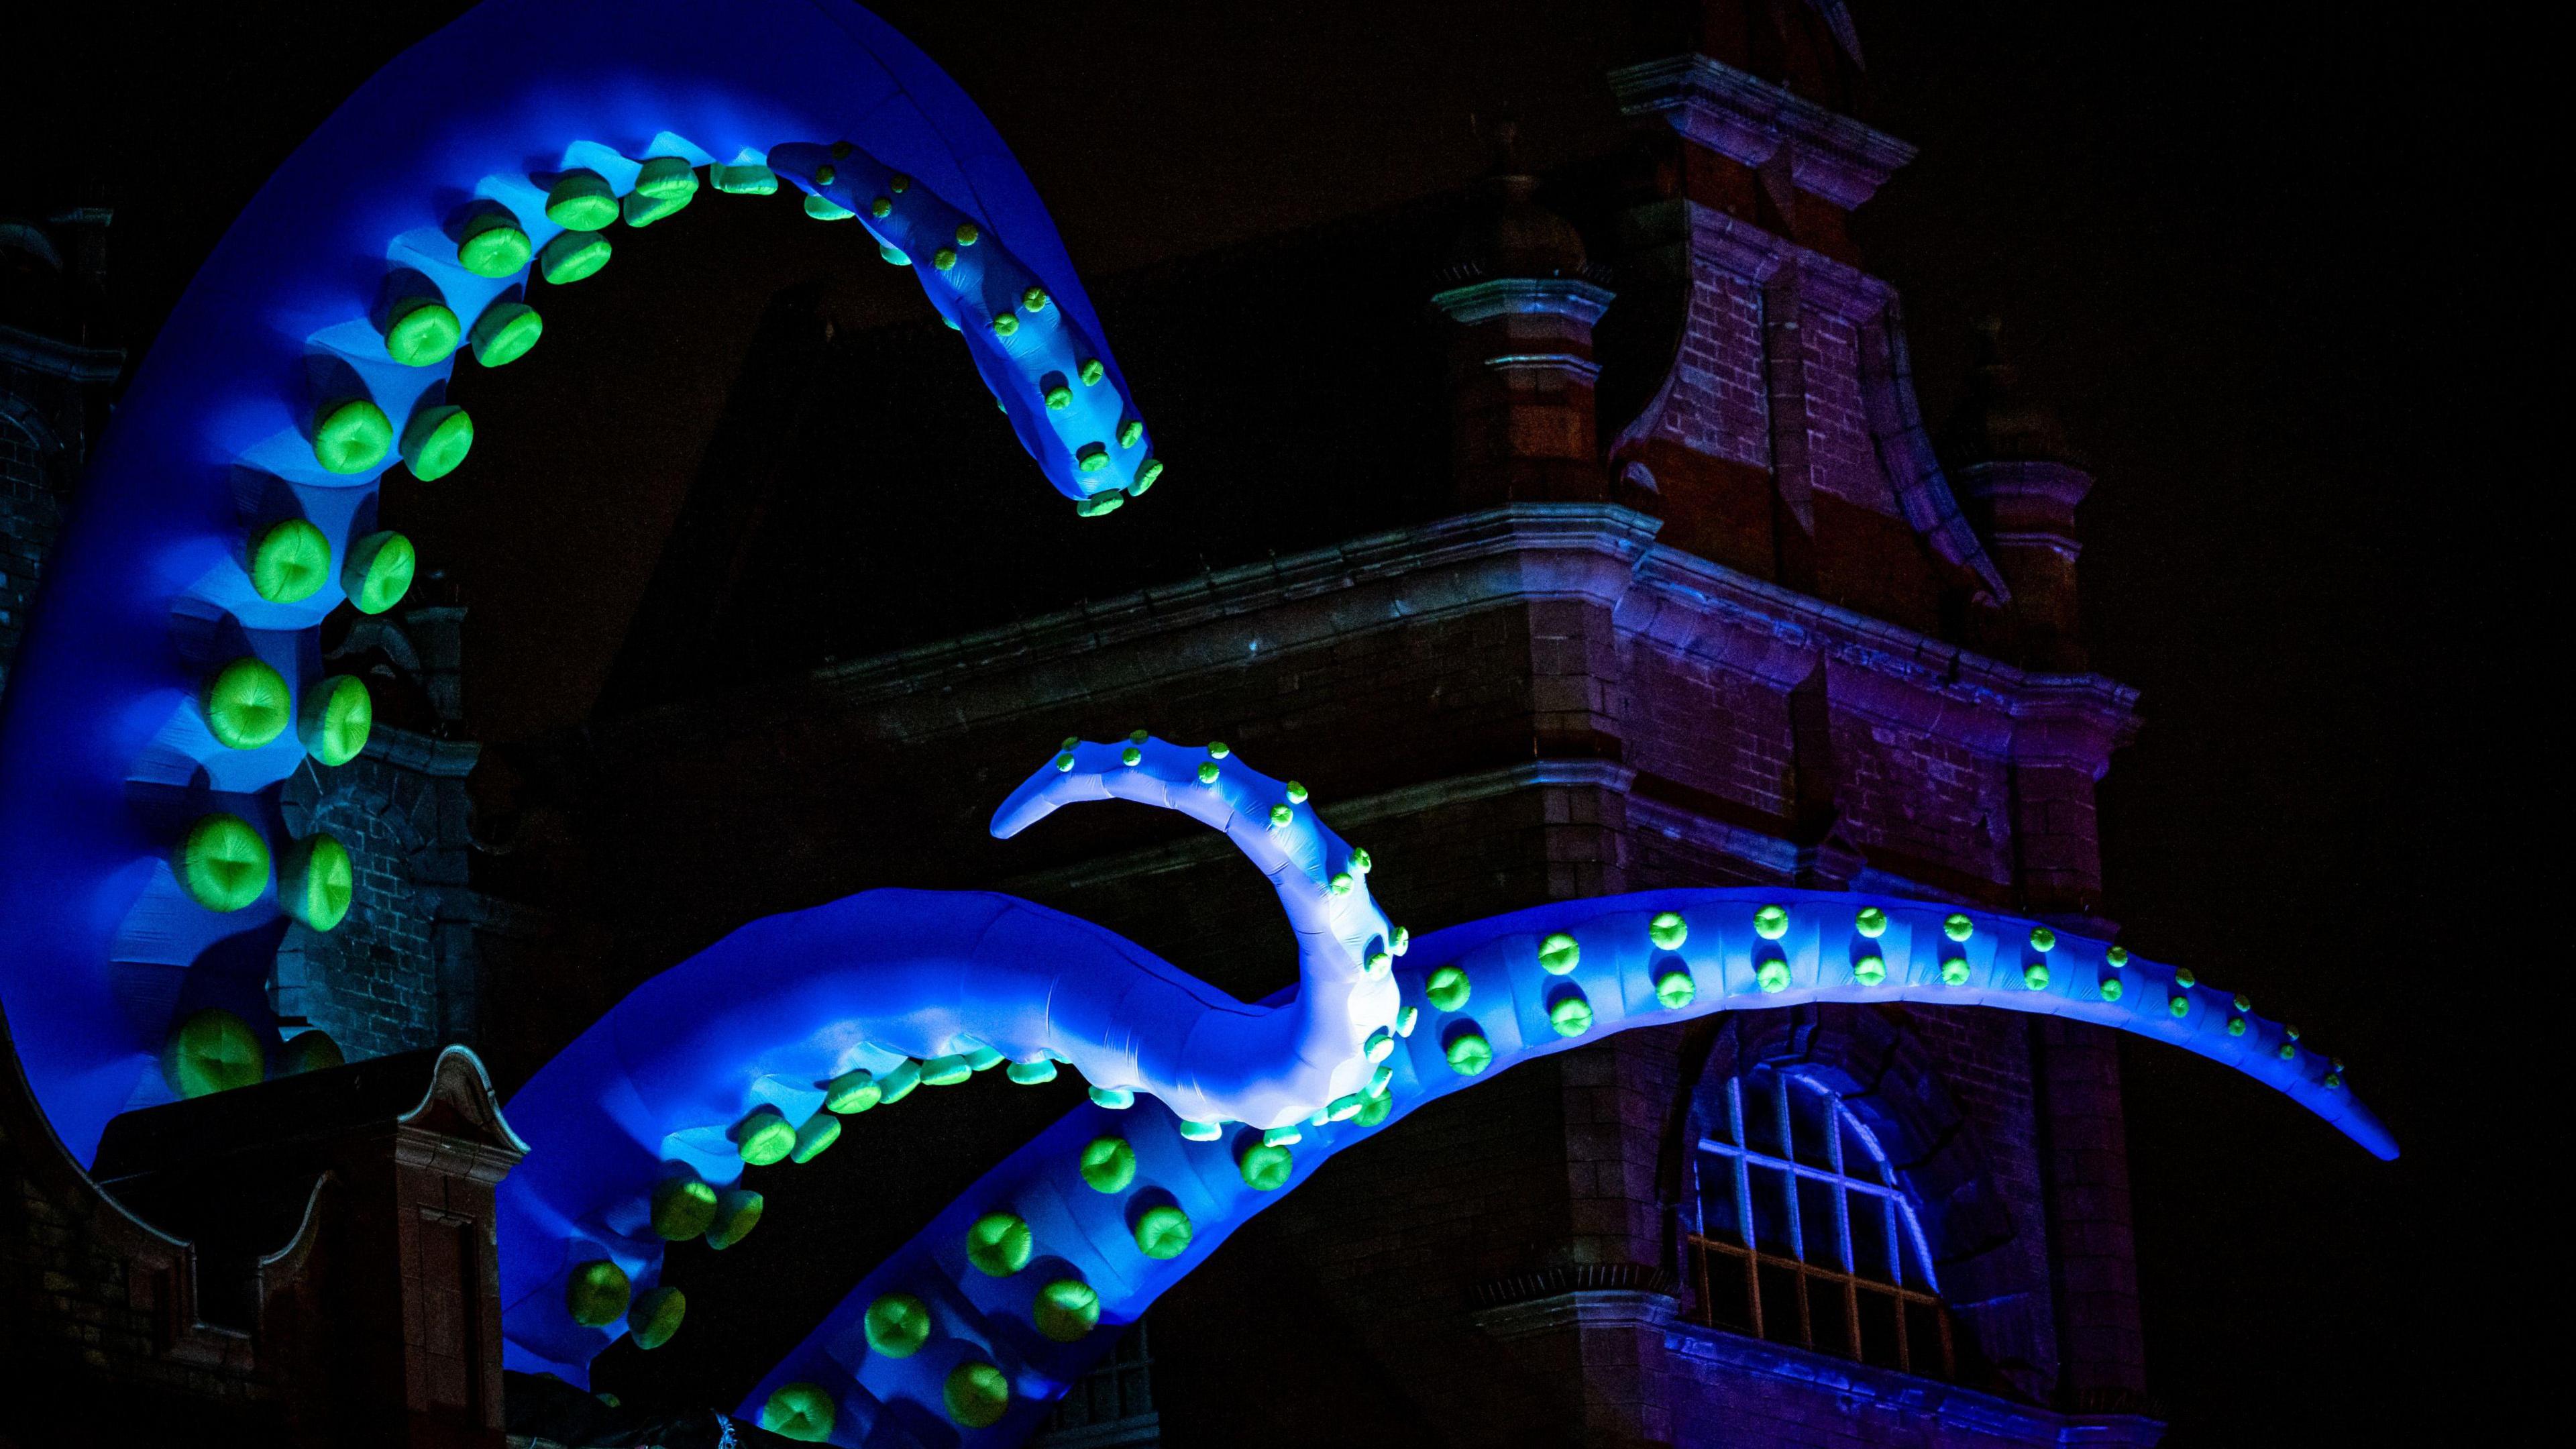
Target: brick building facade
1678, 589
1631, 564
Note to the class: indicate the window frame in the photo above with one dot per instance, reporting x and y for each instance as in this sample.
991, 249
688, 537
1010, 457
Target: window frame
1908, 1247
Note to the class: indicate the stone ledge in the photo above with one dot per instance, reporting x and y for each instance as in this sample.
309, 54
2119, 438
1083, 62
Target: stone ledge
1750, 120
1857, 1386
1584, 1308
1594, 553
55, 358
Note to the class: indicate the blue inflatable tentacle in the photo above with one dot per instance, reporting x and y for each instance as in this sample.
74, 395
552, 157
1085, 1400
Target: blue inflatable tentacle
1044, 364
727, 1058
171, 677
171, 680
1484, 997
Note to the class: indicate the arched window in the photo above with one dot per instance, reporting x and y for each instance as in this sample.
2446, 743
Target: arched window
1805, 1235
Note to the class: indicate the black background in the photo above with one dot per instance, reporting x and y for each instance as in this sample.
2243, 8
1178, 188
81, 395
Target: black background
2271, 266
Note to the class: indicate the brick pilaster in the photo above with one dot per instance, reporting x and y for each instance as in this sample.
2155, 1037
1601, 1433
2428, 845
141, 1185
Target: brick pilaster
2093, 1259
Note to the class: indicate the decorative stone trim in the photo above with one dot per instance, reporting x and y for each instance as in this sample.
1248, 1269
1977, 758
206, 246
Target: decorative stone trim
1579, 1309
420, 754
1750, 120
65, 360
1858, 1386
1519, 296
1599, 553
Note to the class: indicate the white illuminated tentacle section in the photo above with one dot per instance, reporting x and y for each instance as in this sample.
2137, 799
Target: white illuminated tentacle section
1345, 945
986, 1316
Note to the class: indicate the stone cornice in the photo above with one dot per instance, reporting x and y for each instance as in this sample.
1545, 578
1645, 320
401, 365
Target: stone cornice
1583, 1308
1751, 120
60, 359
1856, 1385
420, 754
1515, 296
1777, 632
1737, 245
1599, 553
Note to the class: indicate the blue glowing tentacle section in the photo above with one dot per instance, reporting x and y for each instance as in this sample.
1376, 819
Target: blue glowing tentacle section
1483, 997
314, 353
884, 989
1044, 362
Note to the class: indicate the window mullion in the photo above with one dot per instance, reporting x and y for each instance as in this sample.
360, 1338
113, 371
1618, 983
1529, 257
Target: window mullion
1789, 1151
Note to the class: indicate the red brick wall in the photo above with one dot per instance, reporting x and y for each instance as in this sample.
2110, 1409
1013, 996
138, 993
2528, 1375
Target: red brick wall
1720, 390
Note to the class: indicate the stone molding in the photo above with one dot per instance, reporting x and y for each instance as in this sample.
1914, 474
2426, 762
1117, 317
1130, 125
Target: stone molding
1579, 1310
1566, 297
1597, 553
1751, 120
1857, 1386
65, 360
438, 759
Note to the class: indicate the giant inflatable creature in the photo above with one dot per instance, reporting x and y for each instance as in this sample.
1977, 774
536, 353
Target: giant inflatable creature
172, 680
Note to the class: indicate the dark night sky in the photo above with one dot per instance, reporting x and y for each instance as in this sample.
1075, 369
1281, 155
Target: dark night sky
2262, 265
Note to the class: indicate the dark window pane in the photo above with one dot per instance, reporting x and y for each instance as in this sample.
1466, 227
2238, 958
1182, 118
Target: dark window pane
1923, 1335
1771, 1211
1721, 1116
1762, 1114
1717, 1207
1812, 1116
1135, 1392
1780, 1312
1816, 1216
1830, 1313
1869, 1237
1878, 1328
1730, 1292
